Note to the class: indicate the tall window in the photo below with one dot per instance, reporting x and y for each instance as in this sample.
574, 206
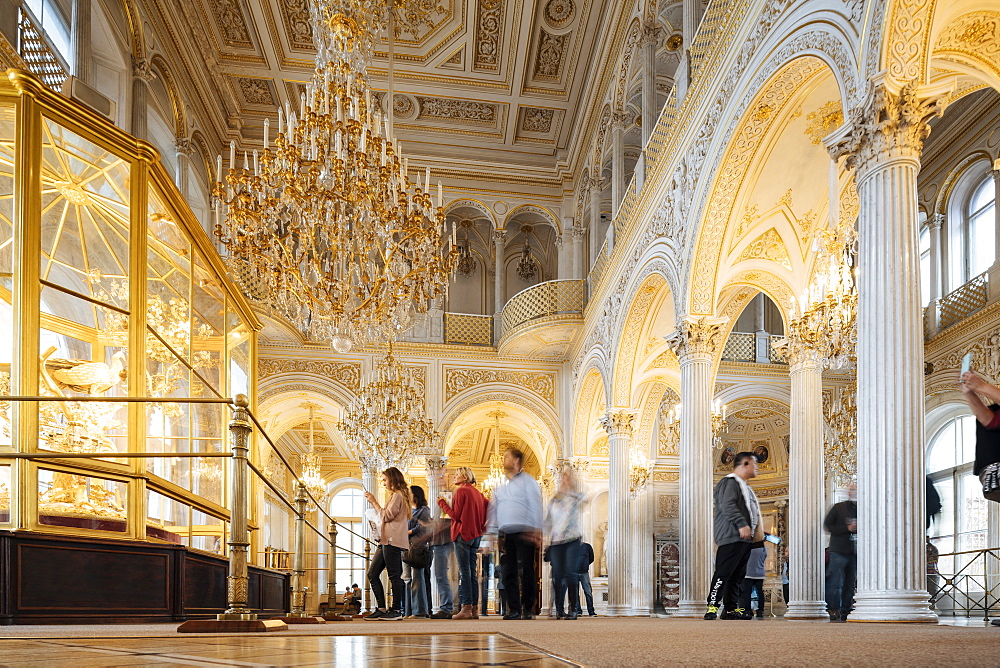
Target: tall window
347, 507
962, 523
980, 222
925, 265
55, 24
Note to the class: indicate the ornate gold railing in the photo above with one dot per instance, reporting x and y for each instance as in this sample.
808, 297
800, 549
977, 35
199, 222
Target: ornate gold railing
600, 265
468, 329
548, 298
741, 347
777, 356
962, 302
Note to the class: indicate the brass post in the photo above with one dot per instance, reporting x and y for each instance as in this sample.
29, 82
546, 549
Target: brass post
331, 596
299, 558
368, 585
239, 427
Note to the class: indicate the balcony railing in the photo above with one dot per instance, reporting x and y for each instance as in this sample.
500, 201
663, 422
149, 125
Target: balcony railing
548, 298
742, 347
468, 329
962, 302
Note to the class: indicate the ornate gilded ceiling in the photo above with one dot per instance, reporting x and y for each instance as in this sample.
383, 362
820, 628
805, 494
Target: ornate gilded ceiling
484, 80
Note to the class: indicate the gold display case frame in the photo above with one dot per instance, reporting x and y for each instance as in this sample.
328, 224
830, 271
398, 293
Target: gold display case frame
33, 105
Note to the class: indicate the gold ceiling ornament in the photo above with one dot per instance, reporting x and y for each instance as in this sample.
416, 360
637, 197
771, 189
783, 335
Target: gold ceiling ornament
824, 318
496, 476
324, 226
386, 424
311, 476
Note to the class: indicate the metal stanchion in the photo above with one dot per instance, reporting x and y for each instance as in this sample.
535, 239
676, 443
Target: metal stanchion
332, 614
298, 613
237, 617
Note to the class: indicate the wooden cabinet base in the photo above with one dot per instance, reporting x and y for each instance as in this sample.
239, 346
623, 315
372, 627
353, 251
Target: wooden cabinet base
301, 620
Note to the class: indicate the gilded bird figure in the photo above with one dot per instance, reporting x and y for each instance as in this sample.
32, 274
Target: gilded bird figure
85, 376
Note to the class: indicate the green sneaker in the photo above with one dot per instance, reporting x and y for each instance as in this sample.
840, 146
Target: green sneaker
713, 612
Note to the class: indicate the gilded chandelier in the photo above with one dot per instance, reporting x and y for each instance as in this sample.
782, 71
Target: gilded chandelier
324, 226
311, 476
496, 476
386, 424
672, 424
825, 317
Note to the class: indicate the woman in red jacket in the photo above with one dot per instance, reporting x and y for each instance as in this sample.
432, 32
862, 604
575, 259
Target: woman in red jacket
468, 523
392, 541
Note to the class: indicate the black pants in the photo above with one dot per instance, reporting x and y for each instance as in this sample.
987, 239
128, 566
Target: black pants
518, 553
730, 569
387, 558
564, 560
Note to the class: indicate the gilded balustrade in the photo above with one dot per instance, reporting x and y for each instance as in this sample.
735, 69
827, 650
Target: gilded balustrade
963, 302
548, 298
468, 329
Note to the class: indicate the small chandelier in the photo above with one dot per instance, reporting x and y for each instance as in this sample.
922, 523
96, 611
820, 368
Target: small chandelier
386, 424
824, 318
324, 226
496, 476
311, 476
527, 266
641, 468
719, 412
466, 262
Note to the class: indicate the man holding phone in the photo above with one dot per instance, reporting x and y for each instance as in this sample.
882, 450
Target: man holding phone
737, 526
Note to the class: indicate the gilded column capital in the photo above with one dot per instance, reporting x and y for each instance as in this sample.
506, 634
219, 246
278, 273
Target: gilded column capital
621, 120
801, 354
499, 237
649, 35
618, 423
142, 70
891, 123
577, 232
696, 336
185, 146
436, 464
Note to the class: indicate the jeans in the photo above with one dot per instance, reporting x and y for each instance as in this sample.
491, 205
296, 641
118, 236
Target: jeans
564, 558
441, 556
468, 585
419, 598
588, 593
841, 577
750, 585
518, 553
387, 558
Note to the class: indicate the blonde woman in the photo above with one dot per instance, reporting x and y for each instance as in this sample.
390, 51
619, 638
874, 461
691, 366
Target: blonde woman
393, 540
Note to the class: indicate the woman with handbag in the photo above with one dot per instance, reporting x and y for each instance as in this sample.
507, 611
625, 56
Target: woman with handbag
987, 462
416, 559
393, 539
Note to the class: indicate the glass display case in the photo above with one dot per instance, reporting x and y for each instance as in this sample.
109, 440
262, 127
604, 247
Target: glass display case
110, 291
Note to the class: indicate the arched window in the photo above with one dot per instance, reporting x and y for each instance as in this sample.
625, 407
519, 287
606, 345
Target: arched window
980, 225
962, 523
347, 507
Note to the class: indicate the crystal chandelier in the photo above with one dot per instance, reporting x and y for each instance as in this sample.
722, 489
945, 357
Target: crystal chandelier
386, 424
496, 476
824, 318
324, 226
840, 433
527, 267
310, 474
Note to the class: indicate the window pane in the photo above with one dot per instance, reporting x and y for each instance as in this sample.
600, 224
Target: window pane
5, 494
70, 500
943, 449
967, 429
984, 194
7, 134
982, 236
925, 278
972, 514
166, 518
944, 523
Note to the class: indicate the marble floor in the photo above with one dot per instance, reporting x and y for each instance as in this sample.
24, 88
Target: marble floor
461, 649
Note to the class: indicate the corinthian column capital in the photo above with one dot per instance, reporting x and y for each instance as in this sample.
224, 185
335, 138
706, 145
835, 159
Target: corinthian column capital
618, 423
696, 336
436, 464
892, 122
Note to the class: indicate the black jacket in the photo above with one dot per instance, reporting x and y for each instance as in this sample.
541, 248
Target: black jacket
841, 538
987, 445
585, 556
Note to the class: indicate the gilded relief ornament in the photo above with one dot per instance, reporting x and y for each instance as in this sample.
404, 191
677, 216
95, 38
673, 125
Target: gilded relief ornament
696, 336
617, 423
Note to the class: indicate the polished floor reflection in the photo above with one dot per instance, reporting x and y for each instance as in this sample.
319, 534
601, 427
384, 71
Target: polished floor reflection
472, 649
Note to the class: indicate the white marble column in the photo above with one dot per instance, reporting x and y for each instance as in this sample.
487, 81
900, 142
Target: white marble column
695, 343
80, 40
649, 41
499, 246
576, 235
435, 470
996, 210
185, 148
562, 257
805, 486
641, 576
142, 74
619, 121
619, 428
937, 265
883, 146
596, 238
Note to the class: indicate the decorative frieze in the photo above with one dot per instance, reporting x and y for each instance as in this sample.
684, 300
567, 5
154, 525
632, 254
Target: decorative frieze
298, 26
489, 26
551, 51
458, 380
256, 91
667, 506
231, 23
467, 111
345, 373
